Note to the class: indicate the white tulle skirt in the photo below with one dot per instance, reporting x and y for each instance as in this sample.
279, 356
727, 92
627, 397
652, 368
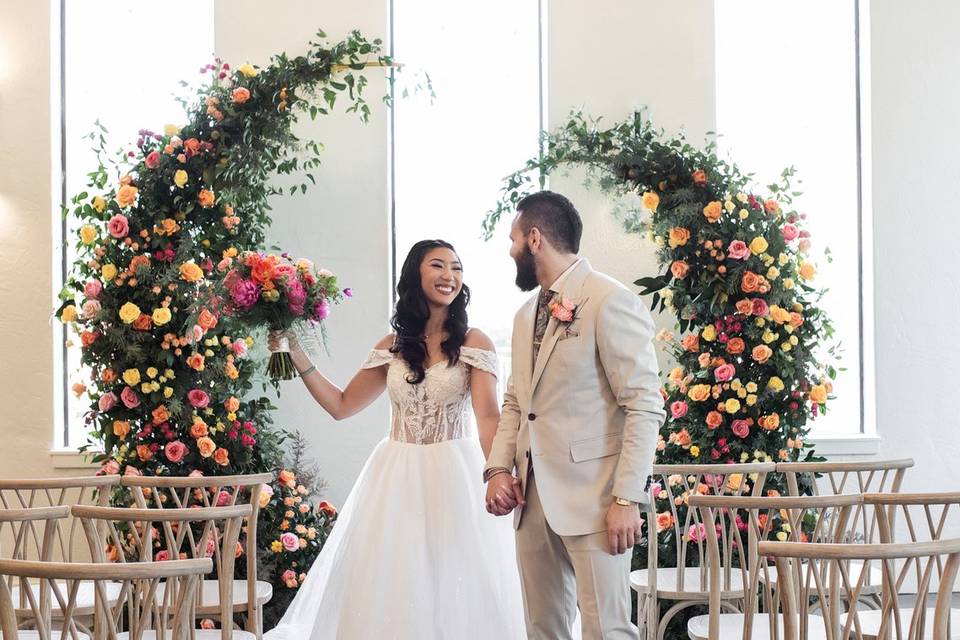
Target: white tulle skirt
413, 554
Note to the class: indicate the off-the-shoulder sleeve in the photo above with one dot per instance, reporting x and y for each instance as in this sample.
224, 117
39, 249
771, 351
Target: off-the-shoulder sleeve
377, 358
481, 359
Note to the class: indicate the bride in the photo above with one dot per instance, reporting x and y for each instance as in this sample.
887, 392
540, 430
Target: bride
413, 553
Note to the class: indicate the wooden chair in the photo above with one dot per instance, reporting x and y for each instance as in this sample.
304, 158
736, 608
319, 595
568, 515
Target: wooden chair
162, 492
684, 579
157, 535
145, 615
748, 520
822, 573
861, 476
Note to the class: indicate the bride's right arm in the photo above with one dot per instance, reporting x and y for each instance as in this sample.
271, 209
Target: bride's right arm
365, 387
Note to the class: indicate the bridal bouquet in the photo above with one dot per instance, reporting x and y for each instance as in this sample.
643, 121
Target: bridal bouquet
277, 292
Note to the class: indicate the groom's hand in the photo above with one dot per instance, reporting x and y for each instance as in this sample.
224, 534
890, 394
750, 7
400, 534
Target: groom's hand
503, 494
623, 527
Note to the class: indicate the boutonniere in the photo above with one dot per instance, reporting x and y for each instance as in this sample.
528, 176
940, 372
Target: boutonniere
565, 311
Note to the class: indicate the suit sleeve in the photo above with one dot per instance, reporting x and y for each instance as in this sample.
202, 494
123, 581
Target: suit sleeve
503, 451
625, 345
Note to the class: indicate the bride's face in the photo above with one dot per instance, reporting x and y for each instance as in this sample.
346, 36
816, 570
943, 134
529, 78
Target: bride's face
441, 276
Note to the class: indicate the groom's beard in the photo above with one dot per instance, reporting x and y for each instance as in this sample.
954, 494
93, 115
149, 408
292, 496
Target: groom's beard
526, 271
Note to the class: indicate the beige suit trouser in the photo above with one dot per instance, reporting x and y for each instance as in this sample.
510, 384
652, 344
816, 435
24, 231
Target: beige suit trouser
559, 573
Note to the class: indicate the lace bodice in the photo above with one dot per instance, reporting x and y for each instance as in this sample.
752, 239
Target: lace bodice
437, 408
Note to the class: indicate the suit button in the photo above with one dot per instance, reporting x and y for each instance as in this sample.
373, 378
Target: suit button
528, 454
531, 417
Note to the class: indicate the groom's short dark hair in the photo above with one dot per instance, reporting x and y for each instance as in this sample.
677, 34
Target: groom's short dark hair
555, 216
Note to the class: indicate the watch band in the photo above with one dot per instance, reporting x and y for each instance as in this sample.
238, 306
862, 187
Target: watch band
624, 503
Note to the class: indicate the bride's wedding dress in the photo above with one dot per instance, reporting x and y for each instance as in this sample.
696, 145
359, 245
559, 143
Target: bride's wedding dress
414, 554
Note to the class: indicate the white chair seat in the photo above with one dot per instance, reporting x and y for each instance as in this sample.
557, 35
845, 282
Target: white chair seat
870, 622
210, 596
731, 626
84, 601
33, 634
667, 586
199, 634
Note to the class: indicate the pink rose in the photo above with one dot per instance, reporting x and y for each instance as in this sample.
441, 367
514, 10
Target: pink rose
679, 409
198, 399
290, 541
738, 250
175, 451
697, 532
725, 372
196, 473
153, 160
321, 310
107, 401
162, 556
118, 226
93, 289
110, 467
289, 578
91, 308
789, 232
131, 471
207, 624
239, 348
224, 499
760, 307
130, 398
563, 311
740, 428
285, 271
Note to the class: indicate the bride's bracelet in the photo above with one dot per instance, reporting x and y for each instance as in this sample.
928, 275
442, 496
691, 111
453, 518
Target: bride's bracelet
309, 369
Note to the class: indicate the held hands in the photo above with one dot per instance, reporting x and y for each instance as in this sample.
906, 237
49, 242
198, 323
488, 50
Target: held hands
503, 494
623, 527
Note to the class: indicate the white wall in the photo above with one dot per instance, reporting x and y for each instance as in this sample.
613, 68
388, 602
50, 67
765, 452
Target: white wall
341, 224
915, 99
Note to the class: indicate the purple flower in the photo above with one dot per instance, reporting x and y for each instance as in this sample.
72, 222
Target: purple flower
245, 294
321, 310
348, 292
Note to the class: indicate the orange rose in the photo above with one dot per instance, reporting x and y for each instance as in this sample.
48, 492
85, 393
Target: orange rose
231, 404
108, 376
713, 211
691, 342
744, 307
699, 392
262, 272
699, 177
763, 285
160, 414
714, 419
769, 422
749, 282
206, 198
761, 353
121, 428
191, 272
207, 320
682, 438
679, 269
206, 447
144, 453
818, 394
138, 261
678, 237
198, 429
807, 271
195, 362
221, 456
113, 555
87, 338
795, 319
771, 206
735, 346
664, 521
192, 145
143, 323
287, 479
126, 196
241, 95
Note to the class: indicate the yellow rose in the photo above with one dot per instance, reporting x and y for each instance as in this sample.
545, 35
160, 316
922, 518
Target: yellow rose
775, 384
783, 259
190, 272
171, 130
752, 387
786, 347
651, 200
132, 377
751, 400
699, 392
180, 178
152, 372
161, 316
769, 336
709, 333
88, 234
99, 204
782, 536
758, 245
129, 312
732, 405
744, 214
167, 392
247, 70
807, 271
109, 272
695, 451
818, 394
788, 283
69, 313
773, 273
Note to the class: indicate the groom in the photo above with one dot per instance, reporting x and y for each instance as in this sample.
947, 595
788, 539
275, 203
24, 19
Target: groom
579, 425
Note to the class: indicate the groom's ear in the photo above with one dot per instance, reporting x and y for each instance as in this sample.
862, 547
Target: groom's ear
534, 239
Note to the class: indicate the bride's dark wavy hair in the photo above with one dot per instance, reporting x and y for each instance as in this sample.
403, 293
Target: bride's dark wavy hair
412, 311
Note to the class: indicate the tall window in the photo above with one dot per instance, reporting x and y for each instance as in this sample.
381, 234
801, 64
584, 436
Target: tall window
450, 155
788, 95
121, 63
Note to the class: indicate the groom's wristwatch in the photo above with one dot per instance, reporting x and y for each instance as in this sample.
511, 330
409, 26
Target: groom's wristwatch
624, 503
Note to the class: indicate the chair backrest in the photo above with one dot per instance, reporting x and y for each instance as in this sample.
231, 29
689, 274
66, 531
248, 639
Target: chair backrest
749, 520
137, 605
31, 533
156, 535
181, 492
825, 574
69, 543
682, 528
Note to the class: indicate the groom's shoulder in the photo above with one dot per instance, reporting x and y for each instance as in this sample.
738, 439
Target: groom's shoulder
603, 284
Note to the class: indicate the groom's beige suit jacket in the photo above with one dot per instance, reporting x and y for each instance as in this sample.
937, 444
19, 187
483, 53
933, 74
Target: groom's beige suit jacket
586, 414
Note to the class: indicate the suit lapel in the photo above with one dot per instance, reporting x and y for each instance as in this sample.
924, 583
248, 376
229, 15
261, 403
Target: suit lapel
572, 289
524, 351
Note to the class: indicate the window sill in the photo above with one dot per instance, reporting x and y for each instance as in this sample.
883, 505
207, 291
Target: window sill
72, 459
845, 445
